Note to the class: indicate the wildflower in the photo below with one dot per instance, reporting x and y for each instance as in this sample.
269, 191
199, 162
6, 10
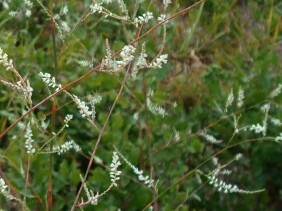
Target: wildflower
143, 18
127, 55
28, 3
210, 138
50, 81
141, 61
67, 119
222, 186
96, 8
238, 156
123, 8
85, 63
93, 199
176, 136
65, 10
276, 122
161, 18
7, 63
27, 13
93, 101
276, 91
145, 179
155, 109
166, 3
60, 149
241, 97
257, 128
28, 143
136, 116
229, 100
114, 173
13, 13
4, 189
162, 59
65, 26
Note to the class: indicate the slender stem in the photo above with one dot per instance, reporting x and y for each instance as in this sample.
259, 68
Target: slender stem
148, 138
54, 110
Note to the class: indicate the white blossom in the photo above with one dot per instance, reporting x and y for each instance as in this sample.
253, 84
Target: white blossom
7, 63
60, 149
162, 59
28, 13
144, 18
96, 8
276, 122
276, 91
114, 173
145, 179
28, 143
162, 17
155, 109
65, 10
127, 55
210, 138
50, 81
85, 63
224, 187
230, 100
257, 128
83, 108
13, 13
241, 97
4, 190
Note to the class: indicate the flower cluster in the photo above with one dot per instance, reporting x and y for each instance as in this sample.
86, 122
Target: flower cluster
50, 81
84, 110
85, 63
114, 173
127, 55
25, 10
162, 17
92, 198
211, 139
28, 143
5, 190
155, 109
141, 61
7, 63
67, 119
276, 91
145, 179
224, 187
230, 100
60, 149
162, 59
97, 7
240, 99
276, 122
166, 3
144, 18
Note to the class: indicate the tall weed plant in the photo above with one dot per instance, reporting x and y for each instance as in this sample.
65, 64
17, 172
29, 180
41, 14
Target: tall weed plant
97, 111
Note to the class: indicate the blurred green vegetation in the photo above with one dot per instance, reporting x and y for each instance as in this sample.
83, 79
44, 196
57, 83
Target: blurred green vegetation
221, 46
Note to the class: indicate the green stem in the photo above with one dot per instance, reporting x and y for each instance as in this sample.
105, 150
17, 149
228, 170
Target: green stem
54, 109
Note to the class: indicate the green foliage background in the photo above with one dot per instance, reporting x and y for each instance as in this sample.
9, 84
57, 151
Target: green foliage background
225, 45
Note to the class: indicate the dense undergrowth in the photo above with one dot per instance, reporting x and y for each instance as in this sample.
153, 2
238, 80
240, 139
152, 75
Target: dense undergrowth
201, 118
